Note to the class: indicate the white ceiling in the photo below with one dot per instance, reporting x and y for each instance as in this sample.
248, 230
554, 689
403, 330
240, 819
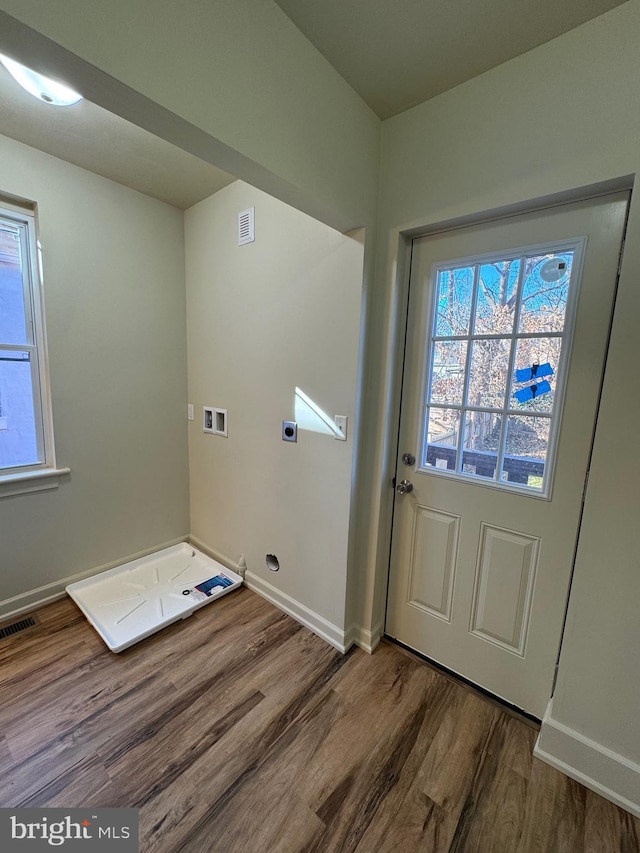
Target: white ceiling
394, 53
398, 53
94, 139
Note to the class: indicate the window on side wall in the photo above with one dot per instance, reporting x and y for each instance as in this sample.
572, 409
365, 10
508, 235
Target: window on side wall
26, 431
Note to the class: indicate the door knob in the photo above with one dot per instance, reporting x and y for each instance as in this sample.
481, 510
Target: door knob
408, 459
404, 487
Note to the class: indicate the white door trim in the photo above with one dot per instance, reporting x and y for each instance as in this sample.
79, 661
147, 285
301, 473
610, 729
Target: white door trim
399, 270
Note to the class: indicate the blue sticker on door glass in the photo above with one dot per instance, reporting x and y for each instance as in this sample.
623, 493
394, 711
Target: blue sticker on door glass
532, 392
536, 371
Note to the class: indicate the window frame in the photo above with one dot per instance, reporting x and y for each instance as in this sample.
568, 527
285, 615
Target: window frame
44, 473
578, 246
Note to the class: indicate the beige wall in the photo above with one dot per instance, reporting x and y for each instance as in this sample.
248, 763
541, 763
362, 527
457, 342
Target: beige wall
262, 103
115, 311
264, 318
562, 116
232, 81
254, 96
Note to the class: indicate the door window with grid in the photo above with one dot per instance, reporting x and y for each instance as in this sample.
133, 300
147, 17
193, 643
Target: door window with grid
498, 353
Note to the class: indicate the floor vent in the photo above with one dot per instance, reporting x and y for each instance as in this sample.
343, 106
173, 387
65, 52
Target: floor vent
16, 627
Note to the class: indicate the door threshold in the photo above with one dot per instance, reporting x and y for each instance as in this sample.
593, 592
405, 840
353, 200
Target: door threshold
513, 710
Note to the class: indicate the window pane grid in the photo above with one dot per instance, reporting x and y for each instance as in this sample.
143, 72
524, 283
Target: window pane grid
467, 371
515, 336
487, 410
503, 441
512, 355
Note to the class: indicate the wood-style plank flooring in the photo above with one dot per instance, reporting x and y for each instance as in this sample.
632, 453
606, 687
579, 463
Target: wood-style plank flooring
239, 731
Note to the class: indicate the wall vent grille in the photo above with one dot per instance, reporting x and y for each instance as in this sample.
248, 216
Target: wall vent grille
246, 226
17, 627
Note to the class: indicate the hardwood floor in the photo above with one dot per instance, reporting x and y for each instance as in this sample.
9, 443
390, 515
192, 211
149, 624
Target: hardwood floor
238, 730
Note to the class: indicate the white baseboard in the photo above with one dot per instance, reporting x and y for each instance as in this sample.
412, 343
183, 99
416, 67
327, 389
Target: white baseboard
42, 595
210, 552
300, 612
339, 639
606, 772
310, 619
332, 634
363, 638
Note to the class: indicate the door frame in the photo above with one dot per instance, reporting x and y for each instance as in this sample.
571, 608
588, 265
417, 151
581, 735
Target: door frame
399, 265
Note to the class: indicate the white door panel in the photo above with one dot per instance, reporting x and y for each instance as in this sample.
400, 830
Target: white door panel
480, 567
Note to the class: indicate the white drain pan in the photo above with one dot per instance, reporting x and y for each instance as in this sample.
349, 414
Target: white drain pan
133, 601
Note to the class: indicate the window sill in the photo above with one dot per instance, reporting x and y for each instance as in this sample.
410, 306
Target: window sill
31, 481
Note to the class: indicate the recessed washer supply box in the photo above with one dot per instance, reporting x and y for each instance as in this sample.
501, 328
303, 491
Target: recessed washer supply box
134, 600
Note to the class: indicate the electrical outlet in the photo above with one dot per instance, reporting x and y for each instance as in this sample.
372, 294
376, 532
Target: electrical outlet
289, 431
341, 422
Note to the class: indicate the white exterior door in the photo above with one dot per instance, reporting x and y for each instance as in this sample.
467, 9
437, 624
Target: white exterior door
506, 341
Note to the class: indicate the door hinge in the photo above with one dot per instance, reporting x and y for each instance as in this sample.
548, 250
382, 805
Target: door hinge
555, 677
584, 488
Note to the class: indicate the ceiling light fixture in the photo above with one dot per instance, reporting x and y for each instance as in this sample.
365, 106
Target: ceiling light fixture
41, 87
